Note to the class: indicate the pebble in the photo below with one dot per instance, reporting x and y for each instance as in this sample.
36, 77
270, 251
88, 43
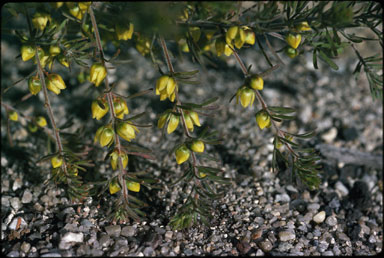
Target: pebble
128, 231
265, 245
331, 221
341, 188
286, 235
27, 197
319, 217
113, 230
15, 203
73, 237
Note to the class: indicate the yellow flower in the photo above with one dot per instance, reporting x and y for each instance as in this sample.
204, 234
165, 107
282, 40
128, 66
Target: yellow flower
106, 136
195, 118
114, 186
202, 175
98, 111
257, 82
124, 32
84, 6
250, 36
32, 127
246, 95
98, 133
63, 60
76, 11
263, 119
236, 34
120, 107
40, 20
293, 40
27, 52
56, 161
97, 74
133, 186
231, 34
143, 45
13, 115
228, 49
54, 50
220, 46
55, 83
303, 26
182, 154
188, 121
162, 120
165, 87
173, 123
56, 5
41, 121
115, 159
126, 131
197, 146
195, 33
34, 85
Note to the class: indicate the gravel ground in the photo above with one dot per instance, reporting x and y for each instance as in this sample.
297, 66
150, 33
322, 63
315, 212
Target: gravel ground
262, 213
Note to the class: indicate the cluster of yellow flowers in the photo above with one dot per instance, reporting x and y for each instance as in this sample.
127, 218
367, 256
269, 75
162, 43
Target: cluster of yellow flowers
183, 152
166, 87
293, 39
115, 187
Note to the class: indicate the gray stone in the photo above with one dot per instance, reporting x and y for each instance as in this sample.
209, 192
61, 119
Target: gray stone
265, 245
286, 235
331, 221
128, 231
113, 230
341, 188
148, 251
73, 237
105, 240
15, 203
25, 247
27, 197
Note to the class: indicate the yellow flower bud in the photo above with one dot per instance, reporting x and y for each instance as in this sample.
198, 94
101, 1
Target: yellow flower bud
195, 33
56, 161
173, 123
115, 159
76, 12
40, 20
240, 38
13, 115
293, 40
188, 122
195, 118
54, 50
182, 154
291, 52
162, 120
143, 45
250, 36
220, 46
231, 34
106, 136
126, 131
97, 74
197, 146
114, 186
202, 175
263, 119
34, 85
246, 95
63, 60
98, 111
124, 32
228, 50
303, 26
27, 52
84, 6
256, 82
120, 107
55, 83
133, 186
98, 133
41, 121
165, 85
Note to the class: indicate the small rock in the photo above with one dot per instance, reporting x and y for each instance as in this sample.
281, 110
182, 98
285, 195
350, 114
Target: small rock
15, 221
330, 135
286, 235
243, 247
331, 221
341, 188
27, 197
282, 198
17, 184
15, 203
265, 245
73, 237
25, 247
113, 230
319, 217
105, 240
148, 251
168, 234
128, 231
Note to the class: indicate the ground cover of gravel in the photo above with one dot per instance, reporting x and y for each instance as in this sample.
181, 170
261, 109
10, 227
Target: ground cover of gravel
262, 213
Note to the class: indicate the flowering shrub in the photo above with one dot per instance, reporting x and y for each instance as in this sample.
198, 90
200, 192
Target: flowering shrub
75, 35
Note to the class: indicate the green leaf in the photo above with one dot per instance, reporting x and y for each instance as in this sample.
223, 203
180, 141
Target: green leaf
281, 110
326, 59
